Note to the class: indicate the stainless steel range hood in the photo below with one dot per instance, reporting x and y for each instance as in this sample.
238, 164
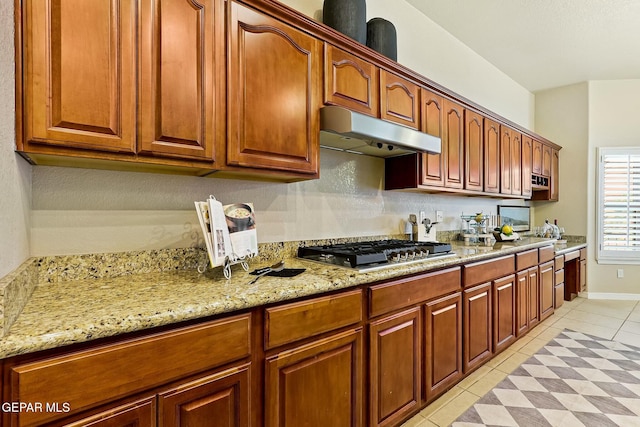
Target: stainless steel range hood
346, 130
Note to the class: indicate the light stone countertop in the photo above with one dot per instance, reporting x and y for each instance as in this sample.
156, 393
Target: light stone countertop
59, 314
563, 248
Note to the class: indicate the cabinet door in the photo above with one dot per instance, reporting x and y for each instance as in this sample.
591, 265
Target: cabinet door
350, 81
141, 413
522, 302
473, 151
516, 163
491, 156
534, 297
316, 385
453, 138
477, 328
395, 362
505, 160
536, 165
527, 162
399, 100
554, 190
274, 94
432, 115
547, 273
443, 344
504, 312
80, 74
182, 87
583, 275
546, 160
223, 397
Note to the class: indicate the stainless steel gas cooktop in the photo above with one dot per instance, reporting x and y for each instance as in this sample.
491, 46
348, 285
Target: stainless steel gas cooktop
374, 255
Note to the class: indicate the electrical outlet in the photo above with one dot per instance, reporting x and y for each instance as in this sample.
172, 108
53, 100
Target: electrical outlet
620, 273
439, 216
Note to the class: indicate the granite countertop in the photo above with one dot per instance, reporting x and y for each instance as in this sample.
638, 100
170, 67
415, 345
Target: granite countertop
563, 248
59, 314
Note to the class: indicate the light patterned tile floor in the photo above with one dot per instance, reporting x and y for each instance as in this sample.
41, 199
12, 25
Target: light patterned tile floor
617, 320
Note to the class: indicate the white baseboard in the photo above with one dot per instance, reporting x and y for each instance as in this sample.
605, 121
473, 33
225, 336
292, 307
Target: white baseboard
611, 296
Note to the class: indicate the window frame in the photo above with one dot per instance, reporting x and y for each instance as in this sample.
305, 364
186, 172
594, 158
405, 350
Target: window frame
604, 256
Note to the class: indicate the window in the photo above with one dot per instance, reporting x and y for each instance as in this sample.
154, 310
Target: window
619, 205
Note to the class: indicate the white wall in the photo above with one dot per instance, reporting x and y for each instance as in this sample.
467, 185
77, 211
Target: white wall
15, 173
614, 112
562, 115
82, 211
581, 118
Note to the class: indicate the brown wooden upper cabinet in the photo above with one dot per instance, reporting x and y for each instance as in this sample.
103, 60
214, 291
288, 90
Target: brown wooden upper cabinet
505, 159
527, 163
510, 161
473, 151
399, 100
80, 75
516, 163
274, 94
491, 156
350, 81
453, 144
554, 190
546, 160
182, 88
432, 114
536, 167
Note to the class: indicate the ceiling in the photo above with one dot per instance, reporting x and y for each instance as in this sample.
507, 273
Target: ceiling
546, 43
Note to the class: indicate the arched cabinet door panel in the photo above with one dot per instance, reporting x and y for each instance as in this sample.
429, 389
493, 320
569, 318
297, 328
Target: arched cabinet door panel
399, 100
473, 151
432, 115
274, 94
350, 81
181, 78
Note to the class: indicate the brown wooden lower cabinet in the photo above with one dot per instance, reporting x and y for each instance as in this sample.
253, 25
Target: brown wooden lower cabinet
443, 344
575, 273
316, 385
141, 413
583, 270
394, 367
528, 299
223, 397
504, 310
547, 290
477, 330
558, 297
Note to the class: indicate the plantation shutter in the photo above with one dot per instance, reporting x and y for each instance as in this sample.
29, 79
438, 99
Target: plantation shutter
619, 204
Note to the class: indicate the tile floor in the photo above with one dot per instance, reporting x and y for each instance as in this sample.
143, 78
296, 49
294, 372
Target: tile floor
616, 320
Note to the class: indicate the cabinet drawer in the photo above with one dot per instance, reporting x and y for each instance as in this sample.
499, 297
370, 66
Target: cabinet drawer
569, 256
87, 378
546, 253
398, 294
559, 276
293, 322
486, 271
583, 254
526, 259
559, 262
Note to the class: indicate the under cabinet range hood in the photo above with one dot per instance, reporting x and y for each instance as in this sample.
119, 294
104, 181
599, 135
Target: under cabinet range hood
345, 130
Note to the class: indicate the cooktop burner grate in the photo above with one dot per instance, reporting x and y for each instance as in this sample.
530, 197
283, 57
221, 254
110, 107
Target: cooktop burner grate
372, 253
